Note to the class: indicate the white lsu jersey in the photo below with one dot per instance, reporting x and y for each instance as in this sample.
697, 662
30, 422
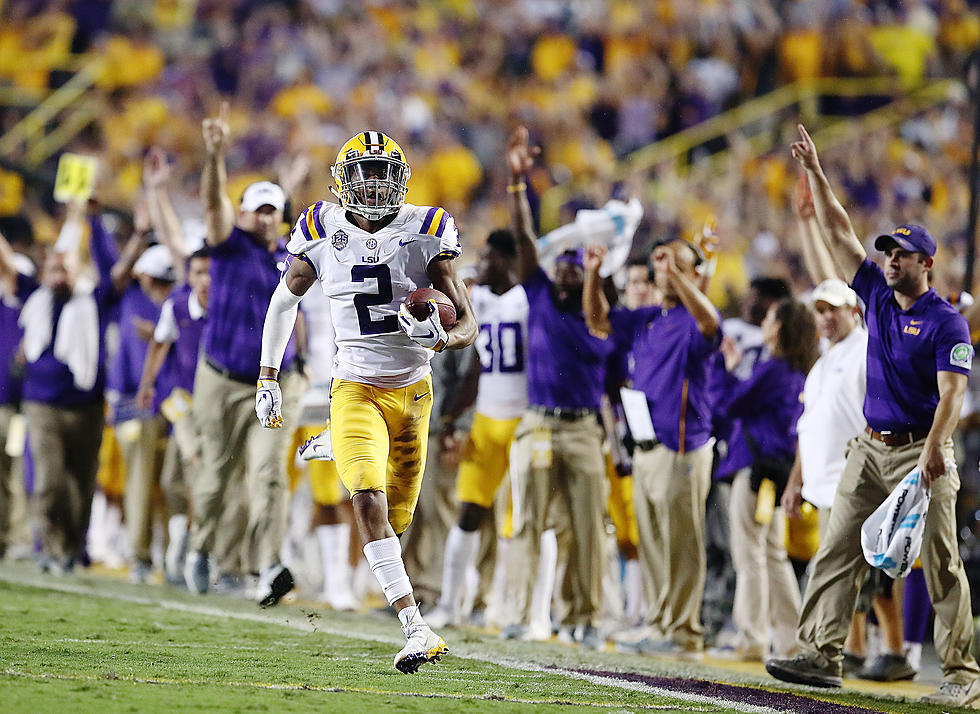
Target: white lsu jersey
502, 347
367, 277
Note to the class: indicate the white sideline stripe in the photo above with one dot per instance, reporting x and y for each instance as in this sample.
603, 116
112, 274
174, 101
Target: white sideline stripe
304, 625
333, 690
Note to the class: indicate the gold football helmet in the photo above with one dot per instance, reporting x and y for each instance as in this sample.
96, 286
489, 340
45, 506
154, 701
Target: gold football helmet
371, 175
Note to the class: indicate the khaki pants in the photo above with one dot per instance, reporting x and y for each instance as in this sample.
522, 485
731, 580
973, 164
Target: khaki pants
766, 592
10, 477
559, 475
669, 495
233, 443
143, 443
180, 462
872, 472
65, 445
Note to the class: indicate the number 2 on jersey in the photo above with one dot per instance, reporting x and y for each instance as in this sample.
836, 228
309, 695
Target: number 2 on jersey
363, 301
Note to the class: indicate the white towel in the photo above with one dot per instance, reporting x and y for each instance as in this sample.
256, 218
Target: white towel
891, 537
77, 342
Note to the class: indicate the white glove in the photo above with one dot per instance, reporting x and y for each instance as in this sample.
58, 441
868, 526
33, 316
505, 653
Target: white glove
428, 332
268, 403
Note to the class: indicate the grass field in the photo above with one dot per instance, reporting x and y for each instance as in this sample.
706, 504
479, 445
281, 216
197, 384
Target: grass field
92, 643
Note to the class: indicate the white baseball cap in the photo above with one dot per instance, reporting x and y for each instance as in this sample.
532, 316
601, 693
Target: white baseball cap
263, 193
156, 263
834, 292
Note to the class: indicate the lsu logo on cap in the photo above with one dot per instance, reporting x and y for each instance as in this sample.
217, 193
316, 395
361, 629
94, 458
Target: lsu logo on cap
961, 355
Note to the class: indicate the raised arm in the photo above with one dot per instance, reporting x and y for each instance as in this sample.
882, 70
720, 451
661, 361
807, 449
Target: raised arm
520, 158
594, 303
694, 301
163, 218
8, 270
845, 248
819, 263
444, 278
219, 213
952, 386
122, 270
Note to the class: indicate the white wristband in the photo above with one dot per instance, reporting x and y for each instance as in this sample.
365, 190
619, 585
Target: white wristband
279, 321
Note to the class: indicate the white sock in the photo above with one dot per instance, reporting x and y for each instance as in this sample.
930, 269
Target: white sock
633, 587
177, 527
334, 552
461, 547
498, 606
385, 558
544, 586
410, 615
913, 654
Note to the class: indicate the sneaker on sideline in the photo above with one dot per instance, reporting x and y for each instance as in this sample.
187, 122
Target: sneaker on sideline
803, 670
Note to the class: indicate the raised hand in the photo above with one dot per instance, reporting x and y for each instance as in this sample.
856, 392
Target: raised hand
594, 255
216, 131
803, 199
520, 157
141, 217
156, 168
805, 151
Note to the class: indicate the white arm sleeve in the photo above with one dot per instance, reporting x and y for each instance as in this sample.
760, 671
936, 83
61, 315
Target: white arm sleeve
279, 321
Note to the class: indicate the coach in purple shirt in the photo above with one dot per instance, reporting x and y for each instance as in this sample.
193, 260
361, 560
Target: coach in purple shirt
919, 355
672, 344
557, 452
247, 254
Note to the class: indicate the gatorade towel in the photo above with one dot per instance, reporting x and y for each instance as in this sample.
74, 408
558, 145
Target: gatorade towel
892, 536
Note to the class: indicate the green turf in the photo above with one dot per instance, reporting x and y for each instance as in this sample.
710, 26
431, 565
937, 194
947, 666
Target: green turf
96, 655
95, 650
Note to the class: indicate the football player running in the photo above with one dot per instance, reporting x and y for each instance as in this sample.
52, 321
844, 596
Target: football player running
368, 254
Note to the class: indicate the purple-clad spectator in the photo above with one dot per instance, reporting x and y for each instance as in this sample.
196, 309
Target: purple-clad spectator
16, 284
64, 325
178, 334
247, 254
672, 345
141, 433
557, 453
766, 407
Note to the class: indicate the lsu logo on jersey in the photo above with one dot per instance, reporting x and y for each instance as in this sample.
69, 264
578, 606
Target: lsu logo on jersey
339, 240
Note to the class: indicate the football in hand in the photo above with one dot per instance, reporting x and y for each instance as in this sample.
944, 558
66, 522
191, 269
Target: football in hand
417, 304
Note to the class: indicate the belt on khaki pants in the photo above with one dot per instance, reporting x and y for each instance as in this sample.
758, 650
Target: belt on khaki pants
896, 438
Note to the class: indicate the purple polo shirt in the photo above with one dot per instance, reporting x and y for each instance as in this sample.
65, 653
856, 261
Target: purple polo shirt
48, 380
127, 365
566, 365
244, 274
672, 366
11, 382
187, 346
906, 348
767, 405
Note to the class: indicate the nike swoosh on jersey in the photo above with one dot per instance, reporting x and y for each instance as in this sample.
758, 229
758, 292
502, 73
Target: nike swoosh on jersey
419, 396
402, 241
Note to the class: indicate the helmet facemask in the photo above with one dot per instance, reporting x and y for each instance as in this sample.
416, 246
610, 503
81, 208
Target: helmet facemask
372, 186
